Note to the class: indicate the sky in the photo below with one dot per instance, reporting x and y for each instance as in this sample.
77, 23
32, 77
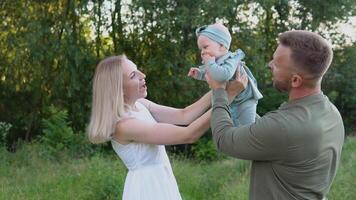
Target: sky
349, 28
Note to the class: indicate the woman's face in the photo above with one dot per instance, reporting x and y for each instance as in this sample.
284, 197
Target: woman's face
133, 82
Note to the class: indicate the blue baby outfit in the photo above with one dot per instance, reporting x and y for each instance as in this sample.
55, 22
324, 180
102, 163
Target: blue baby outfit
243, 107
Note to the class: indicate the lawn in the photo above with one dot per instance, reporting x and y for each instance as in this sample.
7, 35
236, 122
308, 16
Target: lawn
28, 174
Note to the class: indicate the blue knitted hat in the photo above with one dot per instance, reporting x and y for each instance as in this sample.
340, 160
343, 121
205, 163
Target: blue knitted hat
215, 34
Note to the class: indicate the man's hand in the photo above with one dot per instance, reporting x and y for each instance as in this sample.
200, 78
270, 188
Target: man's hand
236, 86
213, 84
193, 72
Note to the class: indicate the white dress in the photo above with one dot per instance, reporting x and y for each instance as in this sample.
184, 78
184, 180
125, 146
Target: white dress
150, 175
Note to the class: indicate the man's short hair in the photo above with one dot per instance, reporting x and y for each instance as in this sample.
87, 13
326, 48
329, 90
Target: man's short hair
310, 52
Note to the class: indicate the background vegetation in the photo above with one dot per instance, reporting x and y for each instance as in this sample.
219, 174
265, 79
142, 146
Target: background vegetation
30, 174
49, 50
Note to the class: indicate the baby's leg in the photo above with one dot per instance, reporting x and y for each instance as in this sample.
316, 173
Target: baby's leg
244, 113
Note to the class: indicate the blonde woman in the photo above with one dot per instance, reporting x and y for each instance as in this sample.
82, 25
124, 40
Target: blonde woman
138, 128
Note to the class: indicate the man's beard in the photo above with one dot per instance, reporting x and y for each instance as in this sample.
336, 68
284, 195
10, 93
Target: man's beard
282, 86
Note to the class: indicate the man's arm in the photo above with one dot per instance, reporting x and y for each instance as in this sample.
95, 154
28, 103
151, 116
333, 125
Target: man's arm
266, 139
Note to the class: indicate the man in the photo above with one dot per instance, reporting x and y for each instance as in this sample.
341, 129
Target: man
295, 150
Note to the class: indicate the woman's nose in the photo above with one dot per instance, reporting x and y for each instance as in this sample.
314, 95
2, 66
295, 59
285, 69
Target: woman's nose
142, 75
269, 65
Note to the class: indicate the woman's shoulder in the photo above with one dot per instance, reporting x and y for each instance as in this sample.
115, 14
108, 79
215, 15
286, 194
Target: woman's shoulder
143, 102
137, 115
127, 126
122, 126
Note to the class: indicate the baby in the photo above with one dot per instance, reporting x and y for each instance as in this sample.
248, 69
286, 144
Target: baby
214, 43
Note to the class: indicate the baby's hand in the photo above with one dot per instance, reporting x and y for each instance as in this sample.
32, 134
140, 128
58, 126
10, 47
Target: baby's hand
193, 72
206, 57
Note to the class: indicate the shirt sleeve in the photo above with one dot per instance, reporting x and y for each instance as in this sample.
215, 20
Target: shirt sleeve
225, 71
201, 73
266, 139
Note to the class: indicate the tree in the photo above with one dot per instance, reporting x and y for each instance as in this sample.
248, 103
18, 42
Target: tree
50, 50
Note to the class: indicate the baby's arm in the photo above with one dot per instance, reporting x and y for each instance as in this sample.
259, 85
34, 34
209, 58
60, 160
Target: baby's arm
197, 73
223, 72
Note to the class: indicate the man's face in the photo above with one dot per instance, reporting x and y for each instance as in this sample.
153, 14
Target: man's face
280, 67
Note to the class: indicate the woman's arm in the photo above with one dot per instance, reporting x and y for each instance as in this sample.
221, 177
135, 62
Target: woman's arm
128, 130
134, 130
177, 116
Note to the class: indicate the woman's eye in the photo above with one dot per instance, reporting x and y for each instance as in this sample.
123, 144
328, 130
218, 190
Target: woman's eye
133, 75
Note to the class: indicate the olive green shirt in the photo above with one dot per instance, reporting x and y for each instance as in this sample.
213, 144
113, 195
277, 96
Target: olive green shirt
295, 150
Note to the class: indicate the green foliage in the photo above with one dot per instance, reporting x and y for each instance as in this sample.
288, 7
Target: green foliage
49, 51
56, 129
205, 149
4, 131
58, 136
340, 83
45, 60
57, 133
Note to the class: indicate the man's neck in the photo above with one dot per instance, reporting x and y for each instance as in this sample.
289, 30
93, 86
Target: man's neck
298, 93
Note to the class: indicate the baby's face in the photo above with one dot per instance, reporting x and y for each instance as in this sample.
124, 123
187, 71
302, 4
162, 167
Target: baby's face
210, 47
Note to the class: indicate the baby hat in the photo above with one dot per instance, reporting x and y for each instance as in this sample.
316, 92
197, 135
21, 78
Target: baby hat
215, 34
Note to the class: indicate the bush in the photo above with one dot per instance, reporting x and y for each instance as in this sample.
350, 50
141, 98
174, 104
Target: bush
4, 131
205, 149
58, 135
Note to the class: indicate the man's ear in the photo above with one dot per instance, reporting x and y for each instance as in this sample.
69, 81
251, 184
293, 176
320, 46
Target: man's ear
296, 80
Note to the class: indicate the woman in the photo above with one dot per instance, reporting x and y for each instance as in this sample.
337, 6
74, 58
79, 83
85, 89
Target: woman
138, 128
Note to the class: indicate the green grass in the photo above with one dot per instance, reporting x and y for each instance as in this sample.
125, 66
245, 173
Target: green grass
213, 180
344, 185
29, 174
36, 178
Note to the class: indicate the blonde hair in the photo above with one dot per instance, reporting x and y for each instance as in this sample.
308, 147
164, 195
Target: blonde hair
108, 99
